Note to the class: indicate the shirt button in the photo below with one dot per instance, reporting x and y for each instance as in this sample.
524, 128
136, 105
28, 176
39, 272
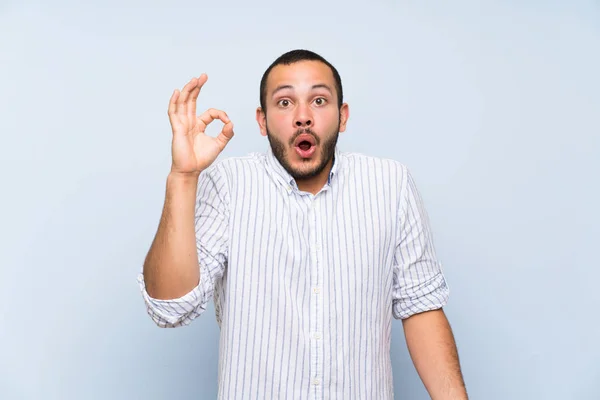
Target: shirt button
316, 290
317, 336
316, 382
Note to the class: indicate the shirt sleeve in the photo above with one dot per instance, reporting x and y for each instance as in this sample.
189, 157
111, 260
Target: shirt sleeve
418, 281
212, 242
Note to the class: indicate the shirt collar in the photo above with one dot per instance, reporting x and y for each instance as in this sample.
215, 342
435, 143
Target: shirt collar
284, 177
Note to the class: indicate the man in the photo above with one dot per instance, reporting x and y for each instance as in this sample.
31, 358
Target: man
306, 251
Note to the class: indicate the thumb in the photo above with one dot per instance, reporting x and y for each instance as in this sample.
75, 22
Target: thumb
226, 134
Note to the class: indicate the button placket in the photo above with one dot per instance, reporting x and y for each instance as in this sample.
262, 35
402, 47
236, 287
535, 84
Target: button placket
316, 299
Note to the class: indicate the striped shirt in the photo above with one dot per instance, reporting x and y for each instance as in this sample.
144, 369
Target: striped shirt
305, 286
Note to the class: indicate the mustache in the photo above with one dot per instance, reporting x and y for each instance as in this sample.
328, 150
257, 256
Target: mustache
301, 131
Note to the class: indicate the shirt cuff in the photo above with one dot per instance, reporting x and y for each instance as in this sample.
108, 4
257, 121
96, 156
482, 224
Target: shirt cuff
177, 312
432, 295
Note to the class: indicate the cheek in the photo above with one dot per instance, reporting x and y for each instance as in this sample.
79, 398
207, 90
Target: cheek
276, 120
330, 119
279, 127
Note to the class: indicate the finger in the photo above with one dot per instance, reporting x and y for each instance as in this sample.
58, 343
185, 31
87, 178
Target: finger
191, 106
210, 115
185, 93
191, 103
202, 79
226, 134
173, 103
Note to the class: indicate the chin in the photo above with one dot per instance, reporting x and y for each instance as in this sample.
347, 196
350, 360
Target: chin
301, 168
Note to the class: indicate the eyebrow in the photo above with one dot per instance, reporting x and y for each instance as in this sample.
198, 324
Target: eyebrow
317, 86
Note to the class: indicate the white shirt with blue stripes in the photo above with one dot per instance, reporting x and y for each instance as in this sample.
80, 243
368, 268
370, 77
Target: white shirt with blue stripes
305, 286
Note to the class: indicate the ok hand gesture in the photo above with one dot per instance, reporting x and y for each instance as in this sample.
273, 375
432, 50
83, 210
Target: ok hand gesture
192, 149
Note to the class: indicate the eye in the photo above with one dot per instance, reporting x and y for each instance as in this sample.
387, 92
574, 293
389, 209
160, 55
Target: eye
283, 103
320, 101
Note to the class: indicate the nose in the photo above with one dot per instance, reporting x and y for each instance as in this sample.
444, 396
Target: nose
303, 122
303, 118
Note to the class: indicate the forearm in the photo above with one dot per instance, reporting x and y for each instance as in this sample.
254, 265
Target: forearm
433, 351
171, 266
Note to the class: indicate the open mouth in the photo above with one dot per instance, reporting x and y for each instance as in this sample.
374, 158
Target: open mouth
305, 145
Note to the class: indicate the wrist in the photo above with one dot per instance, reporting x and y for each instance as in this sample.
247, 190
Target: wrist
183, 177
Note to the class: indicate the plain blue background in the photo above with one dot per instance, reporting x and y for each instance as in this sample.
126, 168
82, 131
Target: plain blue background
495, 107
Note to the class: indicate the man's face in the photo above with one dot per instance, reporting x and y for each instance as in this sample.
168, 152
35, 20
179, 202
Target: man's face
302, 120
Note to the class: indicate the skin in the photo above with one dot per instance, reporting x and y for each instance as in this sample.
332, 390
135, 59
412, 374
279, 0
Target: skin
308, 101
171, 266
302, 97
431, 345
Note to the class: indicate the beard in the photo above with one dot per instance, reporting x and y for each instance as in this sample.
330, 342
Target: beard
326, 153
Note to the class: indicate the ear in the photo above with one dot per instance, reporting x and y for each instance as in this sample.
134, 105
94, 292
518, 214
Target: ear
344, 115
261, 118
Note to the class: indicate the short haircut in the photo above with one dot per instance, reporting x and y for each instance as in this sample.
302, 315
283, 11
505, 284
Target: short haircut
295, 56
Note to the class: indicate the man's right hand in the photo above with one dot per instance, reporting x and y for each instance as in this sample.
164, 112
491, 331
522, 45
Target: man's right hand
192, 149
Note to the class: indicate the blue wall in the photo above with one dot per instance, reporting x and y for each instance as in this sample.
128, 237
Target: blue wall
495, 107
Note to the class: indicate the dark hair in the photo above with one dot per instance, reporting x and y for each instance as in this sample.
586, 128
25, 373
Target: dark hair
295, 56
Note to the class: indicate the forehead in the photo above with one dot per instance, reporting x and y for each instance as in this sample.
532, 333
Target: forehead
302, 74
